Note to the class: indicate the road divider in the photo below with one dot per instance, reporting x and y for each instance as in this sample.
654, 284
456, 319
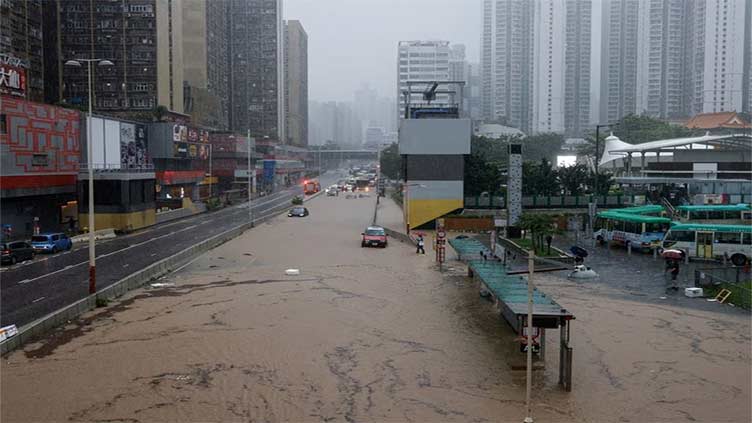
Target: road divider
100, 234
43, 325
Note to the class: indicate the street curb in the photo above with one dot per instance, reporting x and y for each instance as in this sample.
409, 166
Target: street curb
41, 326
391, 232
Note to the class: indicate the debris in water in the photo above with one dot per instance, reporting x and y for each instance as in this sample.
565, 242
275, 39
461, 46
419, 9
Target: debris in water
292, 272
663, 298
161, 284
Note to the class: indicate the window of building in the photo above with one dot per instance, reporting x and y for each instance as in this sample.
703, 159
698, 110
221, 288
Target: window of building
39, 160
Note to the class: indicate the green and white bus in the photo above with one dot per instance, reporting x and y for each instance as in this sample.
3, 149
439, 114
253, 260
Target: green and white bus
725, 214
710, 241
635, 229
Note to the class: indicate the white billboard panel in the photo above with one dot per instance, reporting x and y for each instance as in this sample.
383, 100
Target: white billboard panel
112, 144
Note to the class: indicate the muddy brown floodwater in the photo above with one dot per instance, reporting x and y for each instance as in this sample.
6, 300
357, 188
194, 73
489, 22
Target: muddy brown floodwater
365, 335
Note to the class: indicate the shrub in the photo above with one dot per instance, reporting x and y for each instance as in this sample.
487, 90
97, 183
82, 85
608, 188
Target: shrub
297, 200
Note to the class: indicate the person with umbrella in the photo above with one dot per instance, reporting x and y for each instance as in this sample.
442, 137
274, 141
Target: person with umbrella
672, 264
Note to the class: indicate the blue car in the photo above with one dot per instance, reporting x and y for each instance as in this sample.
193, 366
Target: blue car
51, 242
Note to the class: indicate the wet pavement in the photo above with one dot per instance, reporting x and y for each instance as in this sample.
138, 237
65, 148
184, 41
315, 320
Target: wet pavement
33, 289
368, 334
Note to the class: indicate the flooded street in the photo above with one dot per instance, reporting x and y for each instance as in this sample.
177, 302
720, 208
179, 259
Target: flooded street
366, 335
360, 335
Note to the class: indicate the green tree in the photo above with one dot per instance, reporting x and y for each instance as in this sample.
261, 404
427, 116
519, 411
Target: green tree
605, 181
542, 146
539, 178
539, 225
481, 175
391, 162
573, 179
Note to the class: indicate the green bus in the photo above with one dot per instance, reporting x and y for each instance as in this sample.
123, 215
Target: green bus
711, 241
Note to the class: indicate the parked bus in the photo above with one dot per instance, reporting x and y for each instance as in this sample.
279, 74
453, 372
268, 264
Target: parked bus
726, 214
711, 241
647, 210
638, 230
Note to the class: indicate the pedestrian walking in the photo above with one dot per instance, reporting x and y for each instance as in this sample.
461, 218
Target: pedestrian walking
420, 249
549, 238
673, 267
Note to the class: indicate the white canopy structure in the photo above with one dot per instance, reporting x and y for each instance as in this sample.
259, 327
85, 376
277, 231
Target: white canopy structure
617, 149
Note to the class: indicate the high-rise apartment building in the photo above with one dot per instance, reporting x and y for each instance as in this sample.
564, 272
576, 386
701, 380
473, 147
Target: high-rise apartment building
420, 61
664, 58
577, 63
21, 49
535, 64
720, 46
548, 66
205, 62
143, 39
619, 34
296, 83
747, 100
257, 62
507, 48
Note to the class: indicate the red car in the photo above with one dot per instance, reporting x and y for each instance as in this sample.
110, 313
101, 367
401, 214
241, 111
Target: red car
374, 236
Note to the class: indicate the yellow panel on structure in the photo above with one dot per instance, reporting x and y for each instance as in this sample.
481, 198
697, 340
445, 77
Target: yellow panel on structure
121, 221
424, 211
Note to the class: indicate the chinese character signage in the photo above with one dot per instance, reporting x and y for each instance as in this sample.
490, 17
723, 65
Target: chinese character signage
12, 80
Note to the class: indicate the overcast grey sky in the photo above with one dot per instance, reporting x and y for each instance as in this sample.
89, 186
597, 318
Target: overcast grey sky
355, 41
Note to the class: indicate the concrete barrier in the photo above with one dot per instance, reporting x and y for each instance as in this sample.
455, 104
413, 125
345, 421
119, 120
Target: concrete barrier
41, 326
100, 234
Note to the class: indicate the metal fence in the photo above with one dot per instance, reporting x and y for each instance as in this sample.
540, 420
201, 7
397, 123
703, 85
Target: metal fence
735, 279
708, 276
544, 201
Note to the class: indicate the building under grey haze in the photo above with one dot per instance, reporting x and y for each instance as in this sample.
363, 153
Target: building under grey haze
577, 62
205, 61
420, 61
256, 60
507, 62
535, 63
619, 35
296, 83
335, 122
21, 37
721, 42
142, 38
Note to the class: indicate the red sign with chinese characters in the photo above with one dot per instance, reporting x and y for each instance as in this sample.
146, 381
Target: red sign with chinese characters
12, 80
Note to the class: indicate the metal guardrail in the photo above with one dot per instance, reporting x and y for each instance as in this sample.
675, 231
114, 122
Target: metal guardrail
707, 276
716, 278
545, 201
568, 201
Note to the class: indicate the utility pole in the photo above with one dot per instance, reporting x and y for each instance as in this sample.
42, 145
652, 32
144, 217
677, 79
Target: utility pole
90, 166
529, 367
250, 181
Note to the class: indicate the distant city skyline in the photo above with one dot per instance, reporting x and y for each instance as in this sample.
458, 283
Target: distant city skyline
338, 66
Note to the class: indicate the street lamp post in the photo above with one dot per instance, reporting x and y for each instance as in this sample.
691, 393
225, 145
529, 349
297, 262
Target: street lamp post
90, 166
595, 162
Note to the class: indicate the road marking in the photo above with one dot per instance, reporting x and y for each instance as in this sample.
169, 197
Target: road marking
263, 213
185, 265
38, 299
152, 255
126, 265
